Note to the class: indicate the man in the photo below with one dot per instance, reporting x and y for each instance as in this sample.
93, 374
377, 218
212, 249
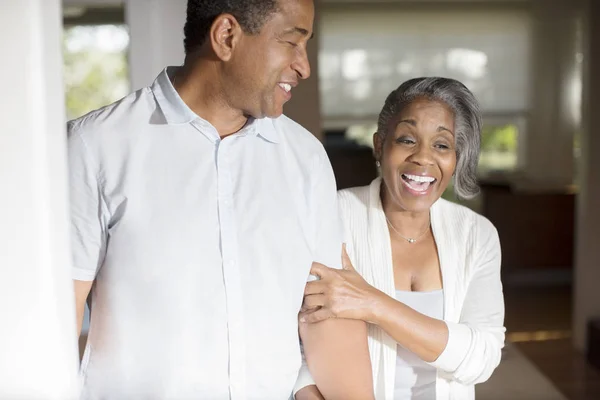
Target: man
197, 210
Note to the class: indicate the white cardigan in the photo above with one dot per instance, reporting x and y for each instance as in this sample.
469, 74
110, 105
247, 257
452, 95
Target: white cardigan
469, 253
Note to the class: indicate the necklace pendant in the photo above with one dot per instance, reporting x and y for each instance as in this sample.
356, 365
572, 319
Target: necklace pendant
411, 240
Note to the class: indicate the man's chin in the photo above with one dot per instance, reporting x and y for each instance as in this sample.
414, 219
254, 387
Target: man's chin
274, 113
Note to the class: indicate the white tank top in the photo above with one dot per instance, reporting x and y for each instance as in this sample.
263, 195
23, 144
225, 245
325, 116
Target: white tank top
415, 379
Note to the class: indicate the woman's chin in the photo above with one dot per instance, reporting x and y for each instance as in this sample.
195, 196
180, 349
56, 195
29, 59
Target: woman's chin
414, 205
411, 201
417, 202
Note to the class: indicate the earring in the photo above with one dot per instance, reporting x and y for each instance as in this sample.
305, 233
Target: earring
377, 164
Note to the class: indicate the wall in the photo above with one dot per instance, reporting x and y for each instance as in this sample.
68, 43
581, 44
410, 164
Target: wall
555, 114
156, 30
587, 266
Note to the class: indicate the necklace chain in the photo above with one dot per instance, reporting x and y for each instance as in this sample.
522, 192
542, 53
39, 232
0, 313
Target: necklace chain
409, 240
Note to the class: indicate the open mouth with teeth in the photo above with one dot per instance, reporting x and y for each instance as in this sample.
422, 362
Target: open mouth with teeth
418, 183
286, 87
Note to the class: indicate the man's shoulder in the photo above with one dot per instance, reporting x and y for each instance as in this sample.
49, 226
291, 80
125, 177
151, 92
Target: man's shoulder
115, 115
292, 132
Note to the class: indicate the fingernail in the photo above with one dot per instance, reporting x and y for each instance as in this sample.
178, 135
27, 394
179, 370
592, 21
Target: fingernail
302, 319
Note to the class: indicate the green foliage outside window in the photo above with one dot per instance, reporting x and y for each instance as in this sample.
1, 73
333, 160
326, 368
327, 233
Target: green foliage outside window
498, 155
95, 67
498, 149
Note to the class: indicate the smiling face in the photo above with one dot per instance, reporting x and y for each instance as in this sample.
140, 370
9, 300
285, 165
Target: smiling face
418, 157
265, 67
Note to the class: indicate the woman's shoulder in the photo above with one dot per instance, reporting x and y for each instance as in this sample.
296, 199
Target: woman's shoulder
354, 197
474, 234
457, 214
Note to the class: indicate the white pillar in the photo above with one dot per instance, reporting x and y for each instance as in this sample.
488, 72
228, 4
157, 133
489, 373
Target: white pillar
38, 350
554, 118
156, 37
587, 265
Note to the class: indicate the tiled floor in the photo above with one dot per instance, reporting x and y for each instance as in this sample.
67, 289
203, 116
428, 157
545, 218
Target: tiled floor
517, 378
535, 314
565, 368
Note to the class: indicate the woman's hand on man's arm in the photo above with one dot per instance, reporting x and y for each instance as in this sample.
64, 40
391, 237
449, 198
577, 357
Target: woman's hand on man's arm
337, 356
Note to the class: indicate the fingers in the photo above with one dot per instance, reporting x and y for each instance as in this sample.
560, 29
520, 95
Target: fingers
305, 309
319, 270
311, 317
314, 287
314, 301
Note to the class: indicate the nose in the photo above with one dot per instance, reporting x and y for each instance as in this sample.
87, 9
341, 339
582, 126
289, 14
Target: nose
422, 155
301, 64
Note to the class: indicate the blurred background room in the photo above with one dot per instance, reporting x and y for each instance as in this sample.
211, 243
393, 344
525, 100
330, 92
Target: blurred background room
533, 64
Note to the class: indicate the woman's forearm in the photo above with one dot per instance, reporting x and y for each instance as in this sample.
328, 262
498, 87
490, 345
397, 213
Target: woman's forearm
426, 337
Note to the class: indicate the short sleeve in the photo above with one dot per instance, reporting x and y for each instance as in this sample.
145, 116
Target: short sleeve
328, 228
87, 210
327, 235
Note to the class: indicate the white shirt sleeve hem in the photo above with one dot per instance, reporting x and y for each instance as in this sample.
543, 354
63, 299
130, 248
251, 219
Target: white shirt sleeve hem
80, 274
459, 340
304, 380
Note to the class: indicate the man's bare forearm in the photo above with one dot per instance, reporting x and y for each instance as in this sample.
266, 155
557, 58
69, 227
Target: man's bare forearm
337, 355
82, 290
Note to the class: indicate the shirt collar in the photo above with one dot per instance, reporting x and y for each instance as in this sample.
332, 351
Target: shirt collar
172, 106
176, 112
267, 130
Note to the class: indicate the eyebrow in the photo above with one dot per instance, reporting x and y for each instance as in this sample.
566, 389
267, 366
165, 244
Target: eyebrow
297, 29
412, 122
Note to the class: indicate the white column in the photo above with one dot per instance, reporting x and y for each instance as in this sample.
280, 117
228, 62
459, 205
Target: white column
554, 118
156, 32
587, 265
38, 350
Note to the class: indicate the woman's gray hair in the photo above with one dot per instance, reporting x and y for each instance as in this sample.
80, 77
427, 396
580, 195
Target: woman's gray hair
467, 117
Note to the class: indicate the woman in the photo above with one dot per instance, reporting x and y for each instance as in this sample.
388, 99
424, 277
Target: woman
427, 275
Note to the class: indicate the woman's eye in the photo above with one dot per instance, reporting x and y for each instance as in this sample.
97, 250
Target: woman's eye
292, 44
442, 146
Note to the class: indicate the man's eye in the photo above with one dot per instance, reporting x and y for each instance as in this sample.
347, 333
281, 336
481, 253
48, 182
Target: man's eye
404, 140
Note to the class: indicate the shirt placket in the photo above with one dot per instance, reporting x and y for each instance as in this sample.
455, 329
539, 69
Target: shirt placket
231, 270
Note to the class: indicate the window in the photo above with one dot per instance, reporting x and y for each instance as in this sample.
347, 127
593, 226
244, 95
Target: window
365, 53
500, 145
96, 68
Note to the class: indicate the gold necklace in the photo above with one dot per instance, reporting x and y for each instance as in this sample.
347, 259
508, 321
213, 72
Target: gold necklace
409, 240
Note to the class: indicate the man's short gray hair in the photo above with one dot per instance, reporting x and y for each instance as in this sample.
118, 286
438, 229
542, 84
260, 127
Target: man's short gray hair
467, 121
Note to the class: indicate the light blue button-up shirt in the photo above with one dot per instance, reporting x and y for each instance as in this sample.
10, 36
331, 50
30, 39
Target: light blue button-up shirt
199, 246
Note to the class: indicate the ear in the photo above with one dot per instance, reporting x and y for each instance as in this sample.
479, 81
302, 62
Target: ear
224, 36
377, 146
